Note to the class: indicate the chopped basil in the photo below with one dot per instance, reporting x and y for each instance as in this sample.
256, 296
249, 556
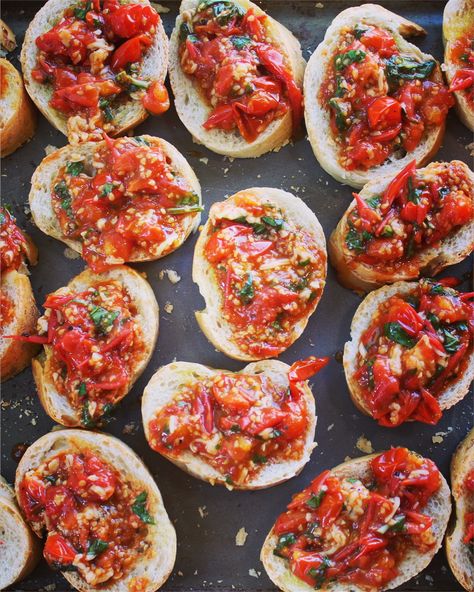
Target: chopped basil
438, 289
408, 68
81, 11
82, 389
51, 479
63, 192
374, 201
132, 83
184, 210
139, 508
141, 140
95, 547
304, 263
247, 293
341, 87
370, 372
352, 56
104, 104
319, 573
443, 192
228, 480
399, 525
316, 499
413, 192
433, 319
451, 341
189, 199
387, 231
74, 168
285, 540
103, 319
276, 223
239, 42
357, 241
352, 480
2, 219
359, 31
395, 332
235, 428
259, 459
341, 112
185, 32
107, 410
86, 418
461, 325
106, 189
298, 286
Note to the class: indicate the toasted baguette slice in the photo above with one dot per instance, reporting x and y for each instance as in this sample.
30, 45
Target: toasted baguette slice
20, 549
166, 383
16, 355
317, 118
45, 175
363, 316
438, 507
57, 406
428, 261
214, 326
152, 568
130, 112
193, 109
459, 554
458, 19
17, 114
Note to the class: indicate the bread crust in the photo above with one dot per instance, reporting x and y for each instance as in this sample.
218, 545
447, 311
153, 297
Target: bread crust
128, 115
363, 316
164, 386
458, 17
58, 406
317, 119
193, 109
42, 208
216, 329
18, 116
439, 508
429, 261
459, 557
157, 563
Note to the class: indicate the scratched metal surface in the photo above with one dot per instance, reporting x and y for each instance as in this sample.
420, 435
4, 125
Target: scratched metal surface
208, 558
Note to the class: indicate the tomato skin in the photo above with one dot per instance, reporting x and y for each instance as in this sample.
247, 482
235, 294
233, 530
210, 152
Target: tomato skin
130, 20
383, 113
404, 314
129, 52
462, 80
156, 100
221, 243
58, 550
379, 41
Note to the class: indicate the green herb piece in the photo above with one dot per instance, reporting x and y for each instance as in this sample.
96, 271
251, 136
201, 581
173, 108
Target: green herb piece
276, 223
352, 480
414, 193
352, 56
285, 540
374, 201
74, 168
141, 140
82, 389
316, 499
228, 480
395, 332
132, 83
66, 201
103, 319
81, 11
185, 32
239, 42
139, 508
387, 231
86, 418
357, 241
107, 410
341, 89
185, 210
443, 192
95, 547
369, 368
341, 112
406, 68
461, 326
247, 293
410, 246
235, 428
451, 341
259, 459
104, 104
189, 199
359, 31
298, 286
433, 319
2, 219
51, 479
304, 263
106, 189
399, 525
438, 289
319, 573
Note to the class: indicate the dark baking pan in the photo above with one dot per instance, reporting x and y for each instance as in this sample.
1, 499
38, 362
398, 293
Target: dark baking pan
207, 518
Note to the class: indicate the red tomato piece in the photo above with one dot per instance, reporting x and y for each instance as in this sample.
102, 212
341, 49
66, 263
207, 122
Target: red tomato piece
58, 550
384, 113
130, 52
156, 100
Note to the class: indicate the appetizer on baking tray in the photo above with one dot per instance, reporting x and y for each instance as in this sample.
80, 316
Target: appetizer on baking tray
248, 430
458, 34
411, 354
399, 228
260, 264
370, 523
100, 509
96, 65
115, 201
18, 312
98, 334
461, 538
19, 548
236, 76
373, 101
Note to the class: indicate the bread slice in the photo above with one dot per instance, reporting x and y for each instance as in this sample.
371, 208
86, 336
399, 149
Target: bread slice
166, 383
459, 554
428, 261
45, 175
438, 507
126, 115
57, 406
16, 355
363, 316
318, 118
458, 19
194, 111
214, 326
17, 114
20, 549
155, 565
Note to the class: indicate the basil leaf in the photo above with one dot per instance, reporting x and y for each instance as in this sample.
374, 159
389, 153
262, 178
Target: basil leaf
399, 525
298, 286
239, 42
340, 87
82, 389
374, 201
139, 508
461, 325
304, 263
103, 319
106, 189
285, 540
141, 140
387, 231
276, 223
51, 479
395, 332
319, 573
434, 320
413, 192
81, 11
451, 341
359, 31
341, 111
2, 219
66, 200
86, 418
95, 547
316, 499
406, 68
247, 293
259, 459
74, 168
104, 104
185, 32
443, 192
189, 199
357, 241
352, 56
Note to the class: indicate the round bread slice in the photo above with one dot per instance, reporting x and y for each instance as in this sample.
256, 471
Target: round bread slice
151, 568
428, 261
16, 355
363, 316
458, 19
166, 383
126, 115
55, 404
44, 177
318, 119
214, 326
459, 554
413, 562
194, 111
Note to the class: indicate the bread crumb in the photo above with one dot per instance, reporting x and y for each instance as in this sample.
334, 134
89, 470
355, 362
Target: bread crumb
180, 573
364, 445
130, 428
253, 573
49, 149
346, 458
173, 276
204, 160
168, 307
71, 253
160, 9
470, 147
241, 537
330, 427
319, 5
202, 511
437, 439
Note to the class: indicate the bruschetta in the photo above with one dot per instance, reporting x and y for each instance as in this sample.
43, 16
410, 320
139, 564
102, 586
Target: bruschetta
237, 77
411, 353
17, 114
18, 312
19, 548
98, 334
458, 35
373, 101
115, 201
260, 264
100, 510
371, 523
95, 66
416, 223
460, 538
248, 430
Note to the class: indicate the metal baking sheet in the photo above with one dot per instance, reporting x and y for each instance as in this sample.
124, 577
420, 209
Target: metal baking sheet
207, 518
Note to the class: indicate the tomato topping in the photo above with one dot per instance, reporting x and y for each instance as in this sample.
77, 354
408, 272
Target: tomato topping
415, 347
461, 52
14, 247
270, 272
156, 100
357, 531
245, 80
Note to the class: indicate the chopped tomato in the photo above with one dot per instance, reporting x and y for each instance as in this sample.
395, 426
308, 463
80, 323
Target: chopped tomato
129, 52
156, 100
383, 113
58, 550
